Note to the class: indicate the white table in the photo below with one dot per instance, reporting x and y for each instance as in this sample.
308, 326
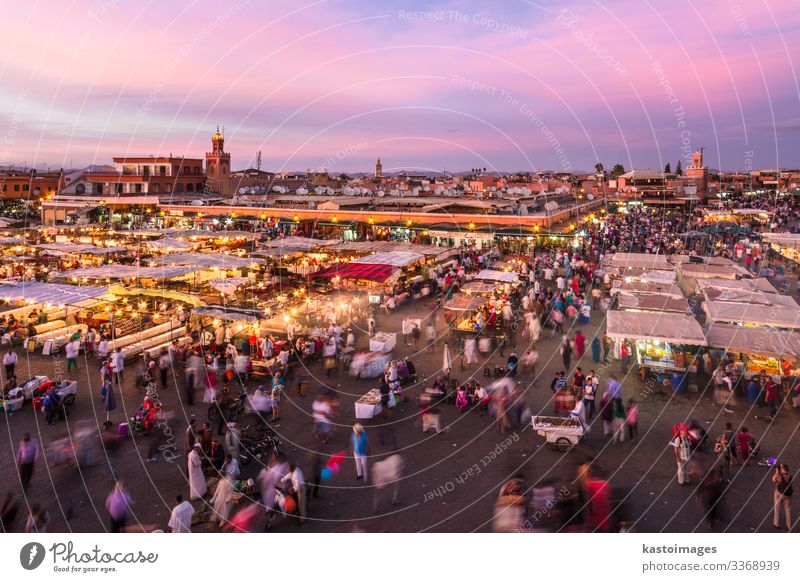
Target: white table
383, 342
366, 411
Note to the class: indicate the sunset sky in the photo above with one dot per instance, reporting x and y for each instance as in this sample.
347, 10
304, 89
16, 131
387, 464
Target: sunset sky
507, 85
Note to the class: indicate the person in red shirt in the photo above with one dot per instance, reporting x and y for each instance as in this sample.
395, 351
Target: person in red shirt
771, 396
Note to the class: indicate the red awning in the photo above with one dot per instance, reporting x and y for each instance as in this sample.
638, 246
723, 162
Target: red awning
365, 271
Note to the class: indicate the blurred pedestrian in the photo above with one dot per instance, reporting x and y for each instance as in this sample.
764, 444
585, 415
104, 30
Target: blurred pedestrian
782, 497
360, 447
27, 455
118, 505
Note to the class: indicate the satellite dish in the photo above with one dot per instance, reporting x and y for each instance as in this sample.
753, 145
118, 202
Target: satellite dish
526, 191
427, 188
197, 202
590, 196
242, 190
252, 190
302, 191
319, 189
347, 191
381, 193
329, 191
276, 188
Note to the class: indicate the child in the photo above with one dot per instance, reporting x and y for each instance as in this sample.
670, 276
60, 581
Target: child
632, 419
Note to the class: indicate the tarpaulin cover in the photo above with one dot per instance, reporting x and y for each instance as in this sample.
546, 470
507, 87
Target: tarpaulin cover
751, 340
665, 327
743, 313
367, 272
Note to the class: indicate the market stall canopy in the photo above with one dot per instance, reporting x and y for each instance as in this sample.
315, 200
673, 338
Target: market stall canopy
749, 297
294, 244
392, 258
644, 302
476, 287
499, 276
706, 271
666, 327
117, 272
53, 294
440, 253
165, 293
227, 313
172, 244
194, 233
464, 303
784, 239
206, 260
61, 249
641, 261
12, 240
647, 288
751, 340
229, 285
759, 284
743, 313
376, 273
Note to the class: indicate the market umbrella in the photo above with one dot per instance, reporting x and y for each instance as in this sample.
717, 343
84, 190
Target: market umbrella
447, 362
110, 402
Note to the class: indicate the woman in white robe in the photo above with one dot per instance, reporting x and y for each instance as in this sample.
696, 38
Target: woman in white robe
223, 496
197, 480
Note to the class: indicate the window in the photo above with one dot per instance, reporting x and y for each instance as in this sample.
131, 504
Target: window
179, 187
16, 187
156, 188
199, 188
80, 189
98, 188
119, 188
167, 188
190, 187
25, 187
5, 187
162, 170
138, 188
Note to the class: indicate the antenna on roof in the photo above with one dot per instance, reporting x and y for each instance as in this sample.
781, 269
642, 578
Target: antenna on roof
258, 160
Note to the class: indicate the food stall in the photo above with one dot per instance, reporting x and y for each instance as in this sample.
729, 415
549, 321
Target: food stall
753, 350
663, 341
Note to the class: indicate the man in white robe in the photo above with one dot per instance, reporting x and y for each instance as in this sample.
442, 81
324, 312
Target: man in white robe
197, 480
180, 520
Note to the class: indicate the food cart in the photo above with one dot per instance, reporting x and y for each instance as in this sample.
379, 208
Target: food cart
561, 432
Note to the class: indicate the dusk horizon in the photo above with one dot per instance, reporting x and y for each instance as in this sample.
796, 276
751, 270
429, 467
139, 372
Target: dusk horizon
423, 86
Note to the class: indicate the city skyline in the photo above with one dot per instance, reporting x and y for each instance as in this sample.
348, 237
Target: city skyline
424, 86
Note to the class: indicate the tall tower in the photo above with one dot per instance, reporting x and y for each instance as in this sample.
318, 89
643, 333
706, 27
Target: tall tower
378, 169
218, 166
698, 172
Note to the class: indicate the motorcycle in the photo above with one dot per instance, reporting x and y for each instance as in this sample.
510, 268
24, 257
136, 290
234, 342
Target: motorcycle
235, 408
262, 446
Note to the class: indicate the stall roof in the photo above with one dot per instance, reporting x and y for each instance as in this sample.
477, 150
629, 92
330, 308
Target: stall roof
759, 284
785, 239
647, 288
172, 244
749, 297
665, 327
743, 313
67, 248
206, 260
641, 261
189, 233
751, 340
648, 302
53, 294
227, 313
478, 287
387, 246
463, 302
377, 273
500, 276
393, 258
703, 271
298, 243
128, 272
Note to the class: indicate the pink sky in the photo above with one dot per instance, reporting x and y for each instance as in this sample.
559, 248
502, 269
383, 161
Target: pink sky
452, 85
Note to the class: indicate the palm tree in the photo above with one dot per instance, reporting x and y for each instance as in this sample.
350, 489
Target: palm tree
617, 170
598, 167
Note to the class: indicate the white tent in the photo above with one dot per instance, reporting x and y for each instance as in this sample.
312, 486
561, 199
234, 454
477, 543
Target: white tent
743, 313
751, 340
666, 327
647, 288
35, 293
116, 272
500, 276
393, 258
206, 260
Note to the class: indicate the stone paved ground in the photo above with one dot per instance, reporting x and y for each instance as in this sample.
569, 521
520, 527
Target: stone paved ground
642, 472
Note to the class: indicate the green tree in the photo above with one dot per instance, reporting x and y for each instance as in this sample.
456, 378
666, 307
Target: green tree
617, 170
679, 169
598, 167
667, 169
